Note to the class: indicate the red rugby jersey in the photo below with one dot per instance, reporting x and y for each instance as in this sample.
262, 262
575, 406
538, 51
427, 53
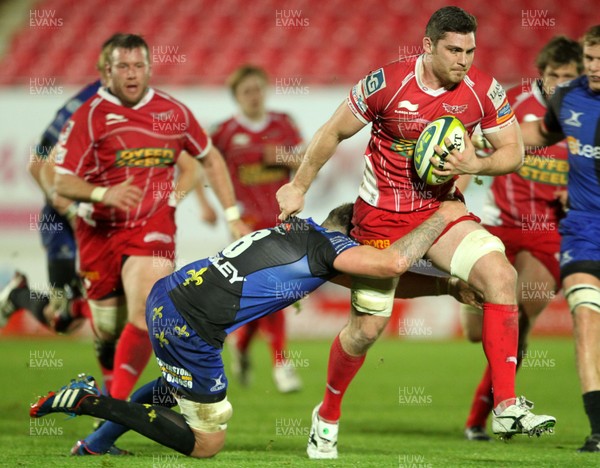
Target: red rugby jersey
105, 143
525, 199
243, 143
397, 103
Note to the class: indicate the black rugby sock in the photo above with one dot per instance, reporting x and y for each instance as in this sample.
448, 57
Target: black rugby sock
591, 403
160, 424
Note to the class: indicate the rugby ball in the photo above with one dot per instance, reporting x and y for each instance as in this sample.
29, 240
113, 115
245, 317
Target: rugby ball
433, 134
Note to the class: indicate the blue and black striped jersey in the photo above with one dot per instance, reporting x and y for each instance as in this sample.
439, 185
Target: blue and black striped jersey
256, 275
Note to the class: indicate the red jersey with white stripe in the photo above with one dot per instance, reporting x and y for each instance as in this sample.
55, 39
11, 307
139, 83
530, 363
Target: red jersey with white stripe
526, 199
243, 144
398, 104
106, 143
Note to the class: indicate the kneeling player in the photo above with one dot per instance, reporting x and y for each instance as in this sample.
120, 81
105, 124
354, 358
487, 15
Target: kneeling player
190, 312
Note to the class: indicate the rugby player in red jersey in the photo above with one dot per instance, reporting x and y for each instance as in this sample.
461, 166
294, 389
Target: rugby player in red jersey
399, 99
523, 209
260, 148
116, 155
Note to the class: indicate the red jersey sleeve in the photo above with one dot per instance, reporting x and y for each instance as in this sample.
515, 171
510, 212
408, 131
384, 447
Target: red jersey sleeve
75, 145
197, 142
498, 113
293, 135
367, 96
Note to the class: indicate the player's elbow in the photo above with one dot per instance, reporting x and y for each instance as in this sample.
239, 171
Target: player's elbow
518, 157
60, 185
398, 265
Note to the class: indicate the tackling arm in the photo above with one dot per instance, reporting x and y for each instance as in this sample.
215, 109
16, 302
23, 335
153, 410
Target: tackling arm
370, 262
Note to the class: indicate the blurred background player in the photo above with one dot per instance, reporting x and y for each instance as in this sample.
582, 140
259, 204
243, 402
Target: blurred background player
398, 99
120, 169
65, 307
574, 113
64, 304
261, 148
523, 209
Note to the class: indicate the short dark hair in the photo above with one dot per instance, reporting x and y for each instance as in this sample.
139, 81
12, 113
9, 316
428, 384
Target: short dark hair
243, 72
340, 218
560, 51
129, 42
449, 19
592, 36
106, 50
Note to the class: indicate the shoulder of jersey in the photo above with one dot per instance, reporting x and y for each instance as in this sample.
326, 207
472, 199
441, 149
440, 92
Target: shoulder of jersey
480, 80
161, 95
219, 127
398, 68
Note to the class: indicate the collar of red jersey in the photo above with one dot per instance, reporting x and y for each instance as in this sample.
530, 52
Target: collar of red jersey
105, 94
419, 77
253, 125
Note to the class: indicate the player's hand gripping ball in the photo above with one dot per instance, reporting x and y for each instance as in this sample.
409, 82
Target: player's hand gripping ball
435, 133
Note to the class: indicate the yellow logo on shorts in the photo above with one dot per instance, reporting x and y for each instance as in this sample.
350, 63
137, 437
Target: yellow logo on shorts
181, 331
157, 312
162, 341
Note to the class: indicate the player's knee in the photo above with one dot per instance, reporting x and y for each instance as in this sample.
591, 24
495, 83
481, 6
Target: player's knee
504, 277
473, 247
207, 447
367, 299
208, 421
206, 418
583, 296
108, 320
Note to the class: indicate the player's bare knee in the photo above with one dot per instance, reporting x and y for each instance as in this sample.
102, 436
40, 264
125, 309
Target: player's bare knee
496, 278
207, 445
108, 321
208, 421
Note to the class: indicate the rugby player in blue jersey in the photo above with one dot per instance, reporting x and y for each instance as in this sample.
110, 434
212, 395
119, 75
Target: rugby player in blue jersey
574, 114
190, 312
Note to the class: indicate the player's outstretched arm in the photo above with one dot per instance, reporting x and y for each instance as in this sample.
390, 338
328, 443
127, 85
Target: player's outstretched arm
342, 124
370, 262
218, 177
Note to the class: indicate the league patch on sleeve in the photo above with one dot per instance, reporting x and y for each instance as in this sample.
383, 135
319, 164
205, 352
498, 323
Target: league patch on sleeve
61, 153
66, 131
374, 82
359, 97
496, 94
504, 113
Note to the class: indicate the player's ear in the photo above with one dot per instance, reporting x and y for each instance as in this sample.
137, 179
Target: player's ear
427, 45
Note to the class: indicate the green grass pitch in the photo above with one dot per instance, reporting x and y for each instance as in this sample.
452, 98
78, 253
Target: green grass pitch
406, 408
